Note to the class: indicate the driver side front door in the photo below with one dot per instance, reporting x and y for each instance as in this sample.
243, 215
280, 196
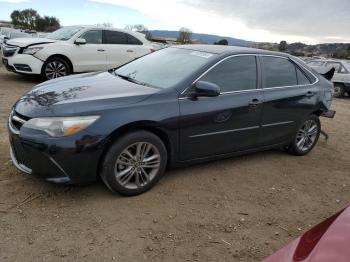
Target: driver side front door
227, 123
92, 55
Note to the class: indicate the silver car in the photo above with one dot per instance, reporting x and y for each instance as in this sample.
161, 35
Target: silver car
341, 78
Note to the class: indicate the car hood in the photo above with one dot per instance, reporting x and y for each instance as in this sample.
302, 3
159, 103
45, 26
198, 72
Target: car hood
328, 241
24, 42
81, 94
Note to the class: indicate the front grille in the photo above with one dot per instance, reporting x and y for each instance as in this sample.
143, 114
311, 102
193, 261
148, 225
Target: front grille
8, 50
19, 152
17, 120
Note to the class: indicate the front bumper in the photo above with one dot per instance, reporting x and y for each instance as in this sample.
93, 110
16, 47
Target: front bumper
24, 64
329, 114
59, 160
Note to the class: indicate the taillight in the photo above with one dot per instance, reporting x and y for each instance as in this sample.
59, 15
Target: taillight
152, 50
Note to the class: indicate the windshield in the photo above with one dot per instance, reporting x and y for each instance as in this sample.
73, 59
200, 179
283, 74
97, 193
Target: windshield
64, 33
164, 68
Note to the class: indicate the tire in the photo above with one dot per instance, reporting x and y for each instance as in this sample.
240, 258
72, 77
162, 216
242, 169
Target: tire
55, 67
311, 125
134, 180
339, 91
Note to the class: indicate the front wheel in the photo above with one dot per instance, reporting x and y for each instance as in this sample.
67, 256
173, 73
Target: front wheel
55, 67
306, 137
134, 163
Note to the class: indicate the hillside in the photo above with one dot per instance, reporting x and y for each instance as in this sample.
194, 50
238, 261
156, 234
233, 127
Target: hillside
319, 49
205, 38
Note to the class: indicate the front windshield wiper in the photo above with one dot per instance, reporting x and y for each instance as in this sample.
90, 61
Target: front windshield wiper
130, 79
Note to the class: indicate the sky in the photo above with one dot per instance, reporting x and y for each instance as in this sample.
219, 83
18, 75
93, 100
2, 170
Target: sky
308, 21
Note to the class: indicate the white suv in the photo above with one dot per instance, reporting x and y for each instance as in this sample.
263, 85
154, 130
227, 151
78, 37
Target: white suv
74, 49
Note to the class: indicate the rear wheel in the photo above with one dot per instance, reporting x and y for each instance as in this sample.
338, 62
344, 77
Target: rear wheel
55, 67
306, 137
339, 91
134, 163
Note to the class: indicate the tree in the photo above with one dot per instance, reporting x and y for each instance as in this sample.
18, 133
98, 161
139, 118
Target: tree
221, 42
16, 17
30, 19
341, 54
184, 36
141, 29
282, 47
47, 24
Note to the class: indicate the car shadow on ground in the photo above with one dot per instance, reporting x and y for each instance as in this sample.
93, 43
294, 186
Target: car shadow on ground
22, 78
190, 173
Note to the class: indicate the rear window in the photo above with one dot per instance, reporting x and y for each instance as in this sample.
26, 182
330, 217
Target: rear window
133, 40
279, 72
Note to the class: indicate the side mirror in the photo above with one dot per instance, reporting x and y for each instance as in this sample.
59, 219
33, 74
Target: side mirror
206, 89
80, 41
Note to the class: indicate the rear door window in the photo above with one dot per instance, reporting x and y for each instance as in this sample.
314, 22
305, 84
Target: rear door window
115, 38
133, 40
279, 72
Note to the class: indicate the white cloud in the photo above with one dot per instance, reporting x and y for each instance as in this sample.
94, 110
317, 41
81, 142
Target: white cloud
255, 20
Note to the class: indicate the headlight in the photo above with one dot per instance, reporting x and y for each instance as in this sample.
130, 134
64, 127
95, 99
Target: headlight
31, 50
61, 126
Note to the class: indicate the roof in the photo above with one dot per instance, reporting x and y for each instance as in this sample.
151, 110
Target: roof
224, 49
138, 35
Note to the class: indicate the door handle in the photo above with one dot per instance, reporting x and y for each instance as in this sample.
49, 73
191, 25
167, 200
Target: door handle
310, 93
101, 50
255, 102
129, 51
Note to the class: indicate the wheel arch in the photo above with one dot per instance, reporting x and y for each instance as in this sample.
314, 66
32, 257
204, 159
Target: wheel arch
317, 112
149, 126
70, 64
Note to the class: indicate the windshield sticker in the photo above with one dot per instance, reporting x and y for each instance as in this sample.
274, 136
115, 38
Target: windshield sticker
201, 54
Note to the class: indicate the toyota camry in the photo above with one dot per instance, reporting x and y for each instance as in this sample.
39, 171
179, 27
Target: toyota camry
177, 106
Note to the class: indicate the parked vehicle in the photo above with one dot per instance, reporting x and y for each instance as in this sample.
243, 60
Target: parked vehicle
74, 49
158, 46
326, 242
12, 34
174, 107
341, 77
3, 32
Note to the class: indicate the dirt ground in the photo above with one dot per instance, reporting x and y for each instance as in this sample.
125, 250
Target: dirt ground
239, 209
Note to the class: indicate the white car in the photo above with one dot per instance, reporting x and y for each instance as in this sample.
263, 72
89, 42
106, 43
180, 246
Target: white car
341, 78
74, 49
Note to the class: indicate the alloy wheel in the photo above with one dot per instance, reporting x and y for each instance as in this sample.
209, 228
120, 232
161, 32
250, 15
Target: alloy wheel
137, 165
55, 69
307, 135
